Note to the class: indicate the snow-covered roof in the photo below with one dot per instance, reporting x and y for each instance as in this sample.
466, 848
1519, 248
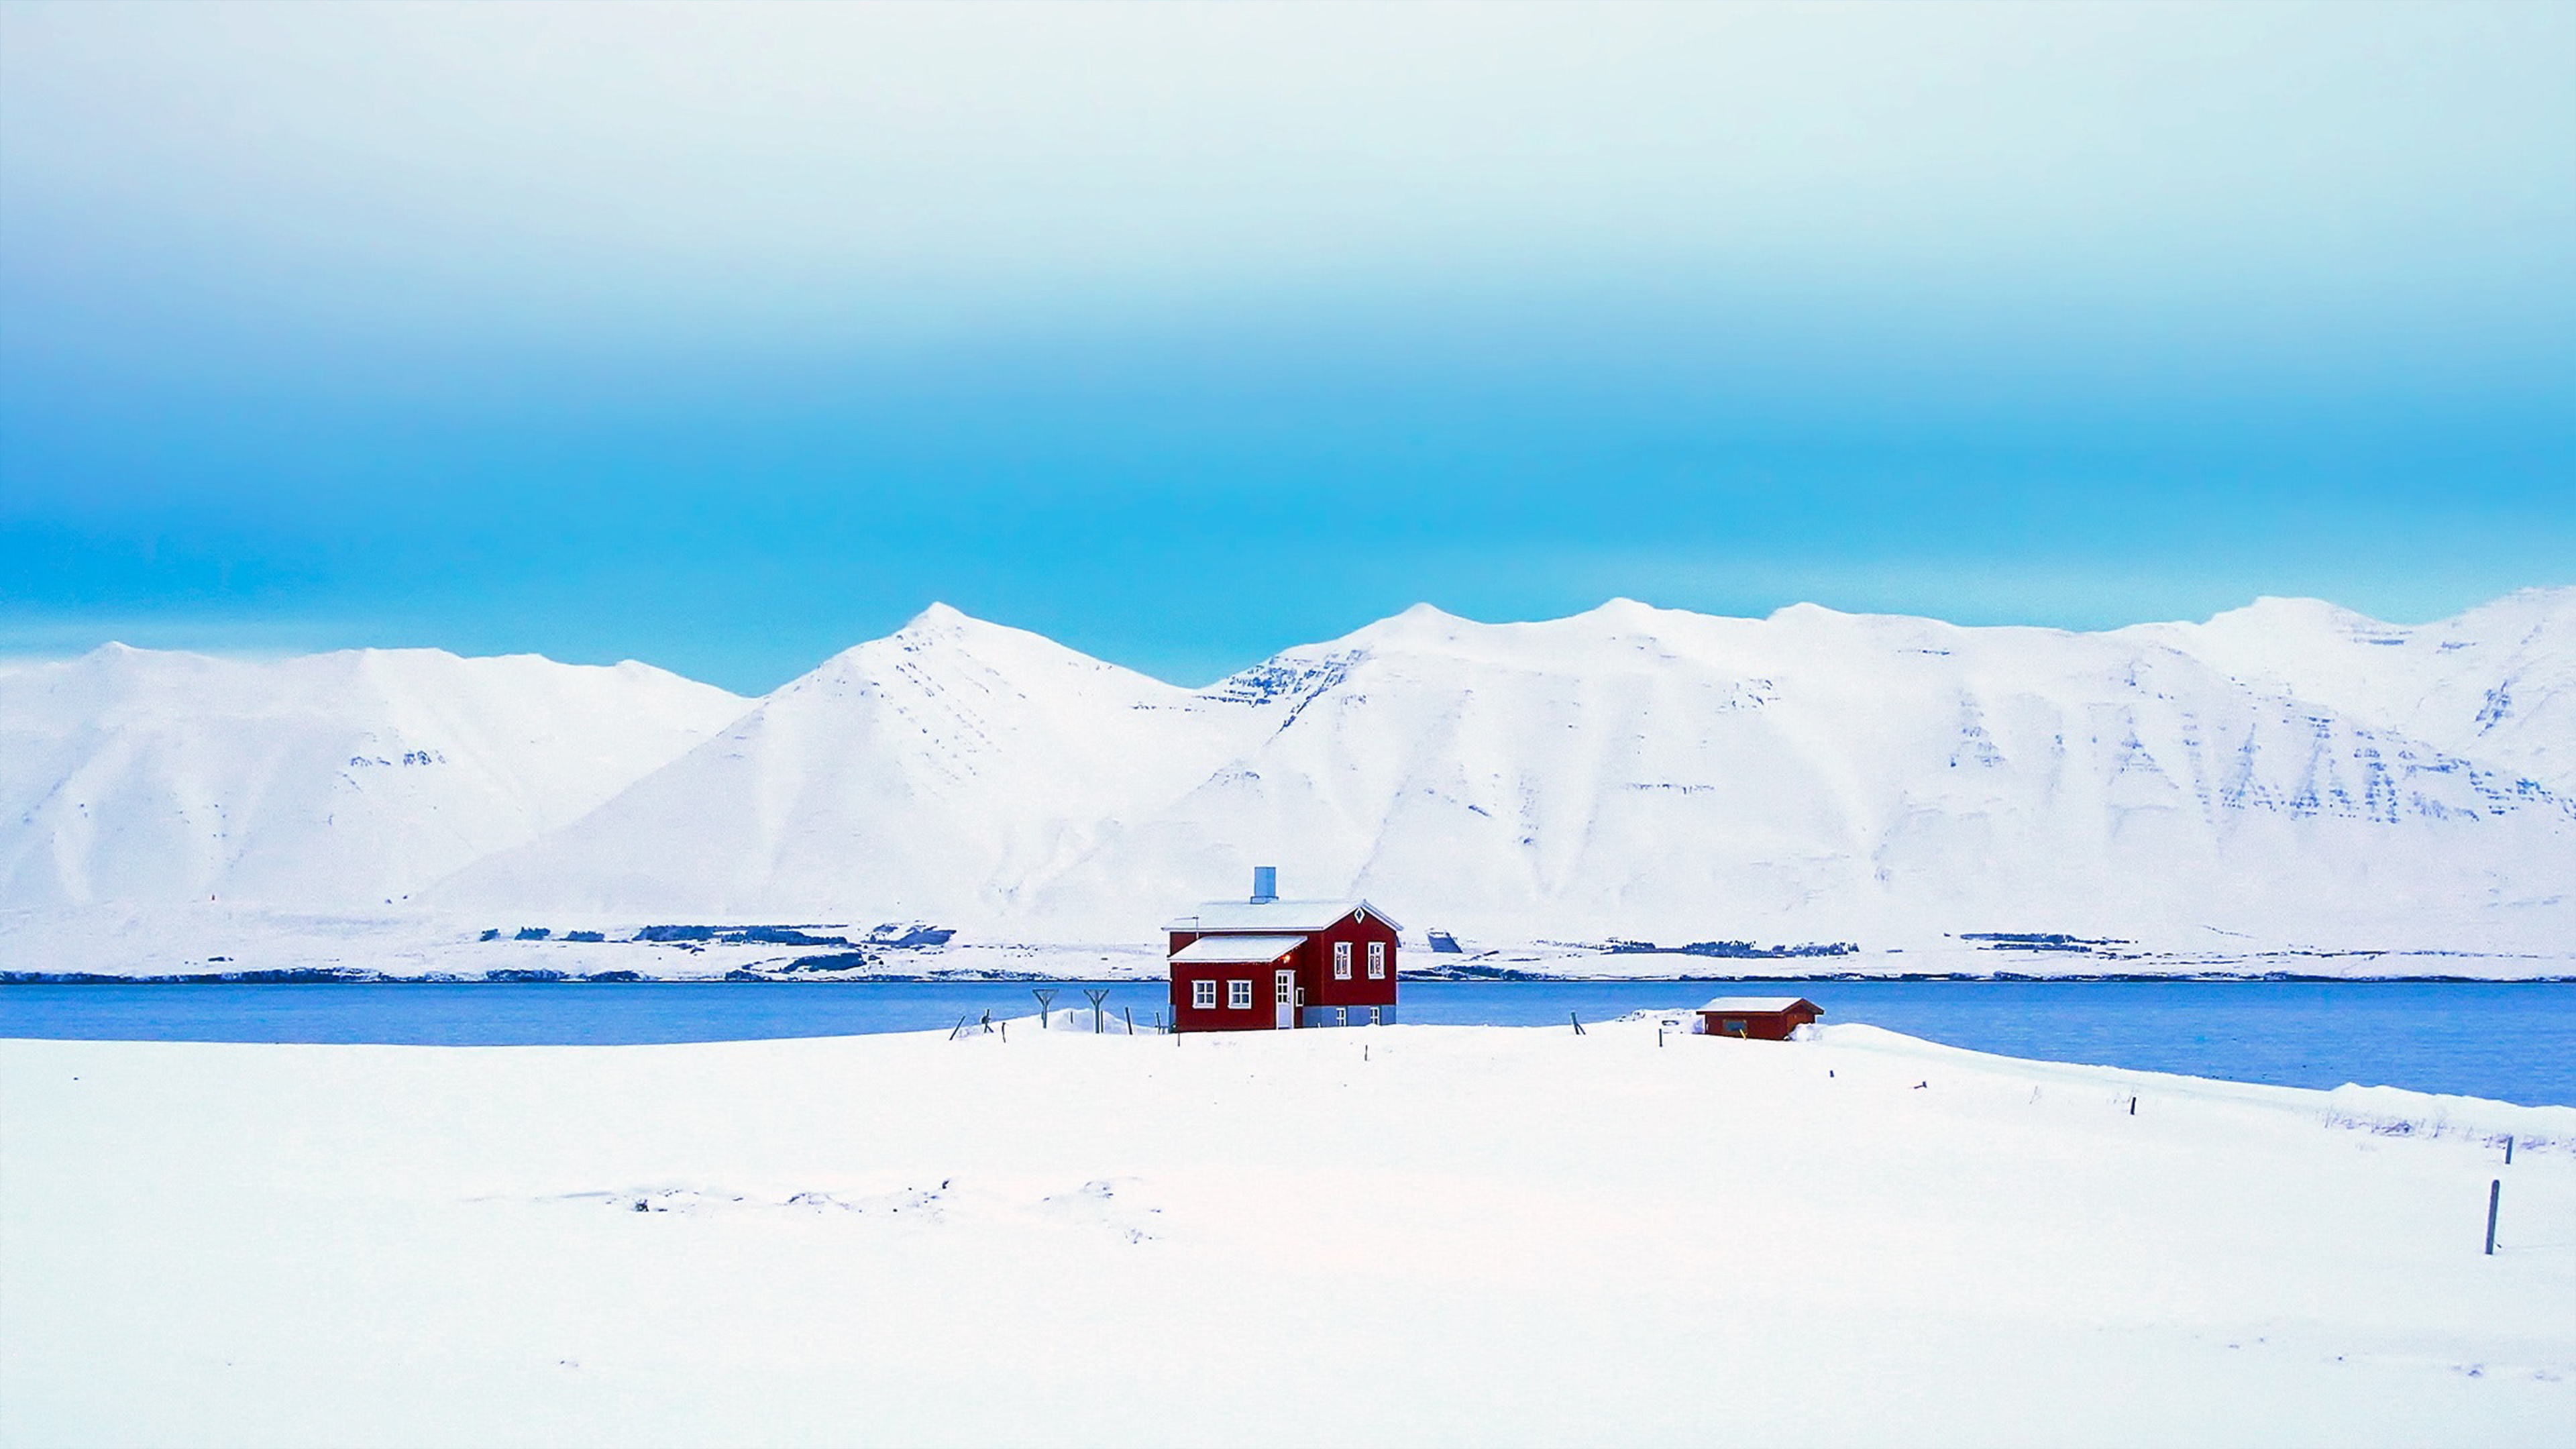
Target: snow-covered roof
1757, 1005
1300, 916
1235, 950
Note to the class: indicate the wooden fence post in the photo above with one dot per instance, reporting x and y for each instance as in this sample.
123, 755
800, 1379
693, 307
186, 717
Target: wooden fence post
2495, 1194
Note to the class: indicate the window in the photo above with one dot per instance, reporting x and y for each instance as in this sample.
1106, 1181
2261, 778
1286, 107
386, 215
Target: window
1238, 995
1732, 1026
1341, 1016
1341, 960
1377, 960
1374, 1016
1203, 995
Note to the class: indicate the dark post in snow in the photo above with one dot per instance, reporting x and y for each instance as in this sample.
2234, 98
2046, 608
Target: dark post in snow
1578, 1022
2133, 1106
1131, 1019
1097, 997
1046, 1001
2508, 1149
2495, 1194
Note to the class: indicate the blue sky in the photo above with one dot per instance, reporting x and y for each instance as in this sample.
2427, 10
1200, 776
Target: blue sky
725, 338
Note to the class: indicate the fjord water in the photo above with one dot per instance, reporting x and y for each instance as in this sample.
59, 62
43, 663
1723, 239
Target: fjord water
2513, 1042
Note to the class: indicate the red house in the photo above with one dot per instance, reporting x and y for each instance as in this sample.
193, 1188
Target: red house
1759, 1018
1265, 964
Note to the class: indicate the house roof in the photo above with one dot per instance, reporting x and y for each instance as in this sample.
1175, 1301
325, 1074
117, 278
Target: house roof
1299, 916
1758, 1005
1235, 950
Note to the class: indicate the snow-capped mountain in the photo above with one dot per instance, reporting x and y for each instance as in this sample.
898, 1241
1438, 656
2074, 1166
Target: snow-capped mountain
1642, 771
948, 769
2497, 683
134, 777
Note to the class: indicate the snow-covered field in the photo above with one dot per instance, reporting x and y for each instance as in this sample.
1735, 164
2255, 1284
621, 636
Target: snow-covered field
1396, 1235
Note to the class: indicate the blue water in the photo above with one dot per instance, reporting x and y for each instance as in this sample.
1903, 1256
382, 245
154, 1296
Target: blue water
2512, 1042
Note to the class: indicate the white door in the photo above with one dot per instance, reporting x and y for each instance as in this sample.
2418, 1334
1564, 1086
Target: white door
1285, 993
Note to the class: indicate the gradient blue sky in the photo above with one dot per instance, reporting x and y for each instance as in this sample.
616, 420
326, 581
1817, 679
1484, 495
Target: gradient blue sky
726, 337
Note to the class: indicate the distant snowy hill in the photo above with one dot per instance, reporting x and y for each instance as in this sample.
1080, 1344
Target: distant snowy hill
951, 770
2273, 775
2497, 683
136, 778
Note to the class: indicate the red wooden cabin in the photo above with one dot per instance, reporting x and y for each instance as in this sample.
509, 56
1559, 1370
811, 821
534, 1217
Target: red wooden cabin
1758, 1018
1265, 964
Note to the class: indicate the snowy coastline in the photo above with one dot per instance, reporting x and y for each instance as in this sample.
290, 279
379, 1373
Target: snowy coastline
1485, 1235
179, 946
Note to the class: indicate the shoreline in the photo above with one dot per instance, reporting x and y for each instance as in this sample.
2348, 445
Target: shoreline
359, 976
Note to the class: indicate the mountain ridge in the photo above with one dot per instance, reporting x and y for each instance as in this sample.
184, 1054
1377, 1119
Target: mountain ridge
2286, 770
1629, 767
346, 778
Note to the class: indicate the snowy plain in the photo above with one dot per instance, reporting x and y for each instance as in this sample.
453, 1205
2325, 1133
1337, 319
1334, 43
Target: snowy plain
1392, 1235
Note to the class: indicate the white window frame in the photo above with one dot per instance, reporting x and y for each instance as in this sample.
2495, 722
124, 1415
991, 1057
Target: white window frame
1341, 960
1377, 960
1377, 1016
1238, 995
1203, 994
1341, 1016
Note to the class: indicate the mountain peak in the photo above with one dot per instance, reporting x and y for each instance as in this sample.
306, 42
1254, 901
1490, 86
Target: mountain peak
1624, 612
2274, 610
1419, 623
946, 627
1808, 609
2530, 607
944, 639
937, 618
1423, 618
116, 653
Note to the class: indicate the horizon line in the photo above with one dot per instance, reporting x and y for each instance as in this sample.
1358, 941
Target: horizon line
939, 611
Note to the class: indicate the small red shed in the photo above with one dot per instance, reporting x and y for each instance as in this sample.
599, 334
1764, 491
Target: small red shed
1264, 964
1756, 1018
